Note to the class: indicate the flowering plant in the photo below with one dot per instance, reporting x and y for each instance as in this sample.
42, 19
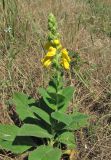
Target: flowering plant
47, 130
57, 55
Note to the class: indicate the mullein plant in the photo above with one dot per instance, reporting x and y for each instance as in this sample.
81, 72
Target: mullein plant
56, 56
47, 130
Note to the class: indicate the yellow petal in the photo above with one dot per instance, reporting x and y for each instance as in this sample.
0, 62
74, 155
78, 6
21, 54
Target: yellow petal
47, 63
65, 55
52, 49
65, 63
50, 54
64, 50
56, 42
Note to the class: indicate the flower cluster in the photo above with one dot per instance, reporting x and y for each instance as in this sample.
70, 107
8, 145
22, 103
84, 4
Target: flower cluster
48, 57
55, 50
56, 54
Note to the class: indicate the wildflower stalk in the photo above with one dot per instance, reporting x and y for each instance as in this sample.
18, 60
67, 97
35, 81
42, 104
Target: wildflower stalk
53, 126
57, 56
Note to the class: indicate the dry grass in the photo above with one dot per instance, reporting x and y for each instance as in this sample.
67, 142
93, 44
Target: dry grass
82, 28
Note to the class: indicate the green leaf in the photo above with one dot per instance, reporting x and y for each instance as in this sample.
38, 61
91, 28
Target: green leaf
45, 153
62, 117
43, 92
68, 139
53, 100
33, 130
41, 113
57, 83
47, 99
21, 102
67, 92
79, 120
58, 100
19, 146
10, 142
39, 152
8, 132
51, 89
31, 101
54, 154
73, 121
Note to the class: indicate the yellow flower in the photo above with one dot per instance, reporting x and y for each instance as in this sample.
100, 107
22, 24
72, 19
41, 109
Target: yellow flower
51, 52
56, 42
65, 63
52, 49
65, 59
47, 63
65, 55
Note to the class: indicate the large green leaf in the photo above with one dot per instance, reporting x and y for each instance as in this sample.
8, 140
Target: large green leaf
41, 113
18, 146
53, 100
62, 117
10, 142
57, 99
22, 102
45, 153
67, 92
79, 120
67, 138
54, 154
8, 132
47, 98
73, 121
33, 130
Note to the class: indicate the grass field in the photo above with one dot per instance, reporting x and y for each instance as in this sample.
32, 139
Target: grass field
85, 27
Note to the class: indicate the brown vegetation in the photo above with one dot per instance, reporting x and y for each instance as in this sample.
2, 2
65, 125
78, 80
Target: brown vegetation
85, 26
